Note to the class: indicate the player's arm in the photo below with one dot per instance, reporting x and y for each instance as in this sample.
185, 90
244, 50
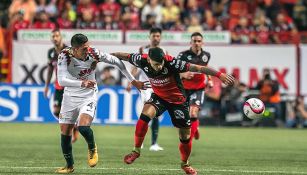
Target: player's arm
114, 60
67, 80
122, 55
49, 76
225, 78
134, 71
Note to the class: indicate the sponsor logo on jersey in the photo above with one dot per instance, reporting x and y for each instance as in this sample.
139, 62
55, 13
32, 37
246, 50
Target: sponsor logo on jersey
205, 58
157, 82
197, 102
183, 65
179, 114
165, 71
146, 69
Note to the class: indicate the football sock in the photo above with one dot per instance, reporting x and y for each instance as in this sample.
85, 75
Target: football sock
88, 135
194, 126
154, 130
140, 131
67, 150
185, 147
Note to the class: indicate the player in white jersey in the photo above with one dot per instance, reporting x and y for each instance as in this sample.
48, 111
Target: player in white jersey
155, 38
76, 72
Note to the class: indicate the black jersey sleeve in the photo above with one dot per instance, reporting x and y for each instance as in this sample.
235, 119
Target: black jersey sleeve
179, 65
135, 59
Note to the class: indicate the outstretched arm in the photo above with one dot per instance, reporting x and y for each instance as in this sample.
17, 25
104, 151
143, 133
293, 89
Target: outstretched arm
121, 55
225, 78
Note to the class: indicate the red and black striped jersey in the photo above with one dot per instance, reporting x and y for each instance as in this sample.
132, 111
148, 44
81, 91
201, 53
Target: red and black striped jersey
165, 83
198, 80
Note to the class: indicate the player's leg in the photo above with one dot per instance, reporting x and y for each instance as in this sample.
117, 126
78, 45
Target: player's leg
194, 110
145, 95
196, 100
152, 108
181, 119
154, 135
67, 121
87, 113
185, 148
58, 96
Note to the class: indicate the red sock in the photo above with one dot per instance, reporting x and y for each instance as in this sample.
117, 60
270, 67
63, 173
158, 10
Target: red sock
194, 127
185, 150
140, 132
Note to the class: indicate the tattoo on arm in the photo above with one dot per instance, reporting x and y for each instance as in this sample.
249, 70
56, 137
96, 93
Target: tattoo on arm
121, 55
202, 69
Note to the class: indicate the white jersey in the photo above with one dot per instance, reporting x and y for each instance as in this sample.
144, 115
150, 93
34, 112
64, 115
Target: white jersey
72, 71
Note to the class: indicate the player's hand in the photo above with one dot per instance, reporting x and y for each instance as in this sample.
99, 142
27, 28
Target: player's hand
129, 86
46, 92
141, 85
210, 84
187, 75
88, 83
227, 79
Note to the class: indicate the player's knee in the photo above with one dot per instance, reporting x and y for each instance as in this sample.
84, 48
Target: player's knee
184, 134
194, 113
84, 129
145, 118
185, 140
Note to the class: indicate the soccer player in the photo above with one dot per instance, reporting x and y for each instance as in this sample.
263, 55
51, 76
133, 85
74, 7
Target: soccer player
155, 38
194, 83
53, 53
163, 73
76, 73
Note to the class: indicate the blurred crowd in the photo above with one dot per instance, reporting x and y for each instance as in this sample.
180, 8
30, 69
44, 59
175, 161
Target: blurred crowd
251, 21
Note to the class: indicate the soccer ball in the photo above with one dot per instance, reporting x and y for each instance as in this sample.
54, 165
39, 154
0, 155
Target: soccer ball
253, 108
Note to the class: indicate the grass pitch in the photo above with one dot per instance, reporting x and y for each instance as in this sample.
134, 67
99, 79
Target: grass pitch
35, 149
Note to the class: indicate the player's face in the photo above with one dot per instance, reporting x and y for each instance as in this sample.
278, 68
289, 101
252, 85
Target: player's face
82, 51
56, 38
156, 65
196, 42
155, 39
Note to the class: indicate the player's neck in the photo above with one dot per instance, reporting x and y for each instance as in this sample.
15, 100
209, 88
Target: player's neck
197, 52
59, 47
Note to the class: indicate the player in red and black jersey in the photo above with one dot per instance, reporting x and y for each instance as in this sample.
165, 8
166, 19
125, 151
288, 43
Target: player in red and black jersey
163, 72
53, 53
194, 83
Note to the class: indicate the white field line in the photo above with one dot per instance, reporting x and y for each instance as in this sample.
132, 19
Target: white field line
146, 169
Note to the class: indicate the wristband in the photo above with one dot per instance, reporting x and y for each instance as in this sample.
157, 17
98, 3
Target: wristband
218, 74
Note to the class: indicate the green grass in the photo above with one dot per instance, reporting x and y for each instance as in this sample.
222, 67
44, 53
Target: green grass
35, 149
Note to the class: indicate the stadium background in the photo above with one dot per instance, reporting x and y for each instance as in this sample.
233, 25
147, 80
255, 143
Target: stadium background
26, 120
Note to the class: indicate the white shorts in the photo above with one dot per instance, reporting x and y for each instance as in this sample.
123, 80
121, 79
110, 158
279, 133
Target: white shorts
71, 117
146, 94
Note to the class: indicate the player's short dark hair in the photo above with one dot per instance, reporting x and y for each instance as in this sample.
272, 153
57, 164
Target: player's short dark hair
55, 30
155, 30
78, 40
156, 54
197, 34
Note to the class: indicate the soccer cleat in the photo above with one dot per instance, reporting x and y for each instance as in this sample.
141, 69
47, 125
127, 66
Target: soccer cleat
155, 147
196, 135
188, 169
75, 135
65, 170
92, 158
130, 158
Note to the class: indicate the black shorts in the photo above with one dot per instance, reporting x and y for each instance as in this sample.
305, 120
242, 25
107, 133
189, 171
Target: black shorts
179, 112
58, 97
195, 97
